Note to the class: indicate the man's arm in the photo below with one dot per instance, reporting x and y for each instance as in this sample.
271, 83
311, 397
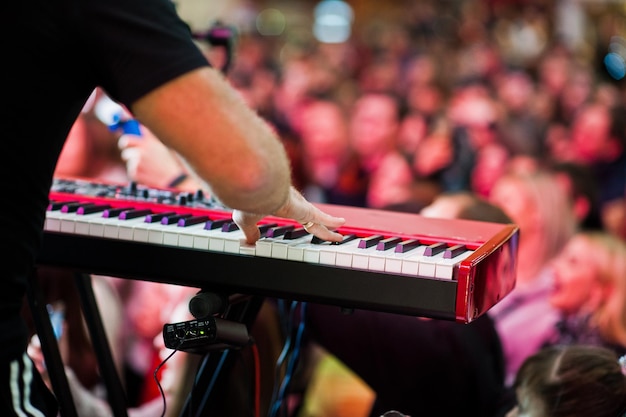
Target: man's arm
202, 117
229, 146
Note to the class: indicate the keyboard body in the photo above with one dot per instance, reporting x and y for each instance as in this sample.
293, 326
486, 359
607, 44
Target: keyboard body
366, 272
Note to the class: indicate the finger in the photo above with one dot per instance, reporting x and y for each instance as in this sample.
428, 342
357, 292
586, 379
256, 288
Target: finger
247, 223
331, 222
322, 232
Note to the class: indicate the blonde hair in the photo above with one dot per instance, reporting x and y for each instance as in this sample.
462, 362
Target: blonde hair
609, 256
555, 215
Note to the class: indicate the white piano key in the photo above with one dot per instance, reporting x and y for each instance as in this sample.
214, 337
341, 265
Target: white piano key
187, 235
113, 226
360, 258
338, 255
82, 222
445, 267
296, 252
378, 259
84, 225
157, 232
126, 228
53, 221
393, 263
427, 265
280, 247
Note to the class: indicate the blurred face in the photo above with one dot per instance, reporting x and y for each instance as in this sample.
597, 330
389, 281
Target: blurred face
510, 195
590, 133
575, 281
374, 125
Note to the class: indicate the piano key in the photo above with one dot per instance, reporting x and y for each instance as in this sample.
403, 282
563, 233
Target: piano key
446, 267
263, 228
73, 207
296, 233
96, 208
366, 242
389, 243
133, 214
393, 263
297, 252
56, 205
118, 211
279, 230
157, 217
230, 227
454, 251
345, 239
75, 223
435, 249
174, 219
278, 248
338, 254
407, 245
126, 227
216, 224
190, 221
427, 264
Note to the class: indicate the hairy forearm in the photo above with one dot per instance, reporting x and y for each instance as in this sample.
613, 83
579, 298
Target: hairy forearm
225, 142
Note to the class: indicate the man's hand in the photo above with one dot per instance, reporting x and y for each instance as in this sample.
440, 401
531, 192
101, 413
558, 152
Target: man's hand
296, 208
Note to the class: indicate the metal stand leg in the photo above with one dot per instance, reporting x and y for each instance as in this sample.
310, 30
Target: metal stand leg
50, 348
115, 391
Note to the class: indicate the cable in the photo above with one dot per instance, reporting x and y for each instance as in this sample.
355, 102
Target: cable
158, 368
277, 404
283, 354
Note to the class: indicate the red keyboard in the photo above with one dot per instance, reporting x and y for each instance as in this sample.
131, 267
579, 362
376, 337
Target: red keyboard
393, 262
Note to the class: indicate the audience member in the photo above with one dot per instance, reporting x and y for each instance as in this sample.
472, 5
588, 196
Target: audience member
590, 291
598, 140
540, 208
571, 381
373, 129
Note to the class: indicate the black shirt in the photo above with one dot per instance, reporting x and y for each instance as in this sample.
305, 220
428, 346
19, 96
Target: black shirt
55, 53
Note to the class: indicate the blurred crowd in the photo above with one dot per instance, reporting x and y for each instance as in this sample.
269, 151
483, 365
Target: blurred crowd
510, 101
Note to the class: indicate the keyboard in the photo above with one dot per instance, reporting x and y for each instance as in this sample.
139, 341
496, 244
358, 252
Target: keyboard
388, 261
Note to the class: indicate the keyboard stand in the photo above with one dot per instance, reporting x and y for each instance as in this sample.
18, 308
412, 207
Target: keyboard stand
52, 356
214, 368
50, 348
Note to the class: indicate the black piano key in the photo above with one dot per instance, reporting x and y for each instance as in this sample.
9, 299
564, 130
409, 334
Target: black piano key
435, 248
230, 227
407, 245
92, 209
188, 221
133, 214
174, 219
73, 207
346, 238
263, 228
115, 212
454, 251
368, 242
215, 224
388, 243
57, 205
295, 233
279, 230
156, 218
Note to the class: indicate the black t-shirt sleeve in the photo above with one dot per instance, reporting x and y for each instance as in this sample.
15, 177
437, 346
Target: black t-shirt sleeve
136, 45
